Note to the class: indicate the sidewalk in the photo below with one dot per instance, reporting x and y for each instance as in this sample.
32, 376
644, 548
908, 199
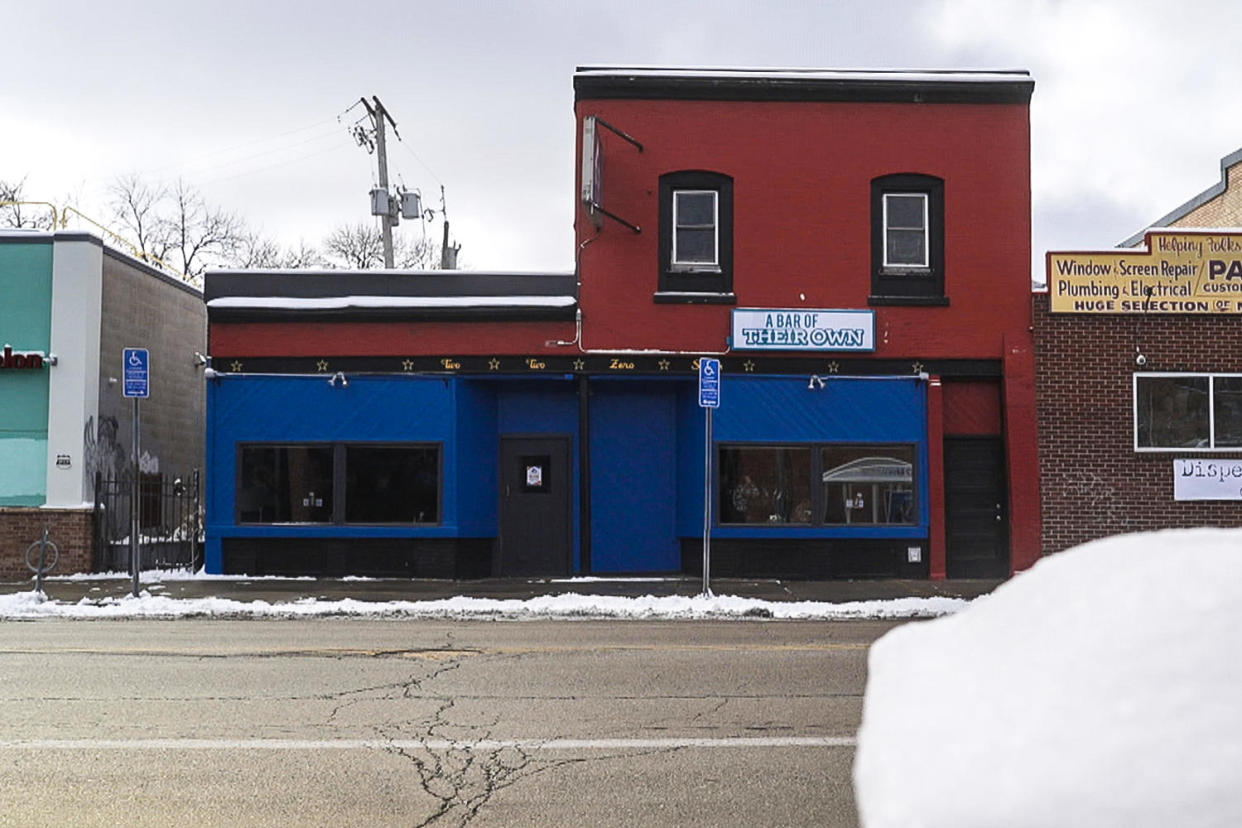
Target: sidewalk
291, 590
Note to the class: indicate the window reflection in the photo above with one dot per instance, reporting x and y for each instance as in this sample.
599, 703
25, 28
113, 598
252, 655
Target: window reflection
765, 485
868, 484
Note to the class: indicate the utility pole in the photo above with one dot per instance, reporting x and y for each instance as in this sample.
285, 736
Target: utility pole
378, 115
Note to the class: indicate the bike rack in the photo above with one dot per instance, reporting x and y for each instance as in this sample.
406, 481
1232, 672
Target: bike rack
46, 549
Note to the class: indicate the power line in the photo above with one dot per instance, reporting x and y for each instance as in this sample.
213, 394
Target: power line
225, 150
411, 151
271, 166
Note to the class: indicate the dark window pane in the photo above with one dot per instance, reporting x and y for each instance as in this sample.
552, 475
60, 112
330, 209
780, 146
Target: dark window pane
696, 247
869, 485
695, 209
906, 247
285, 484
905, 210
1172, 412
392, 484
764, 484
1227, 402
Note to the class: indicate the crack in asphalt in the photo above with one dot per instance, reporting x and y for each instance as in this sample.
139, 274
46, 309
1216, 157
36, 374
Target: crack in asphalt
461, 782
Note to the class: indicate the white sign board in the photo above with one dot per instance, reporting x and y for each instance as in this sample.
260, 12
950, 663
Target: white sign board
1207, 479
803, 329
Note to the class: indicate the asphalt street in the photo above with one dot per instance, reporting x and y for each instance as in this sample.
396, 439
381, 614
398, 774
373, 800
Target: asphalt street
381, 722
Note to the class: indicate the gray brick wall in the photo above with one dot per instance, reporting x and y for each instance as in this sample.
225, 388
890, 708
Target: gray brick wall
146, 309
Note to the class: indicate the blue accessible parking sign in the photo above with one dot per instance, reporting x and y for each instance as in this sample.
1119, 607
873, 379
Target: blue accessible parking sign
136, 369
709, 383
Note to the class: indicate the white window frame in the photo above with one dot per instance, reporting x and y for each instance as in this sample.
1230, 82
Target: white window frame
714, 264
926, 263
1211, 448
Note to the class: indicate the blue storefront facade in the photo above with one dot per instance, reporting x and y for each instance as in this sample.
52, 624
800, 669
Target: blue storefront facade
633, 450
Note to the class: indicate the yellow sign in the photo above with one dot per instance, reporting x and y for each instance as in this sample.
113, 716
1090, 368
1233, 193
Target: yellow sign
1177, 272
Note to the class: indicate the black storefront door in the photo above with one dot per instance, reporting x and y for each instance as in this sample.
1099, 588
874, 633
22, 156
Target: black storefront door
534, 506
976, 513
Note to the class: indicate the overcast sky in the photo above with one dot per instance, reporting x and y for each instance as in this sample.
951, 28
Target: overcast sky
1135, 101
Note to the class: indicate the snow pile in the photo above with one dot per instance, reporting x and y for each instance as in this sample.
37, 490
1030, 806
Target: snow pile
1101, 688
32, 605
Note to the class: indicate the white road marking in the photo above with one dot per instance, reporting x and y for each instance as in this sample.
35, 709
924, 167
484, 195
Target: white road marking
428, 744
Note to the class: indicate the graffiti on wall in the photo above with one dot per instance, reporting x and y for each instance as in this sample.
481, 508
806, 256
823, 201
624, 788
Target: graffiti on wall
105, 453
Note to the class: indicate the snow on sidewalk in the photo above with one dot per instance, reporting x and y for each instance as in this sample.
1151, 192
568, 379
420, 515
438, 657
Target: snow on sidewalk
30, 605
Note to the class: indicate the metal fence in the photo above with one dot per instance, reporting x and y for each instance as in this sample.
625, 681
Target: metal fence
170, 522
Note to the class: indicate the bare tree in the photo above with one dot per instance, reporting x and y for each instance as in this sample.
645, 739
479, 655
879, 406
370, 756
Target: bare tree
176, 226
420, 254
261, 252
302, 256
361, 247
356, 246
255, 251
136, 207
14, 212
201, 235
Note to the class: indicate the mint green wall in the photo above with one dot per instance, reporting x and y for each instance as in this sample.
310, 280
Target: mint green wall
25, 324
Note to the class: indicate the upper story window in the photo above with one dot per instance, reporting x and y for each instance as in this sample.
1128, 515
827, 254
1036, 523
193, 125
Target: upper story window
1183, 412
905, 230
696, 229
907, 240
696, 237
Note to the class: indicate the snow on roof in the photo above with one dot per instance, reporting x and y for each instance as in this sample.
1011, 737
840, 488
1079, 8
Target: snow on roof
1100, 688
902, 75
341, 302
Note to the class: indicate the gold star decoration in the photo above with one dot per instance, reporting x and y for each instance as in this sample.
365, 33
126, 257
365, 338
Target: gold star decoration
664, 363
407, 365
834, 367
236, 366
322, 364
918, 367
493, 364
749, 365
579, 364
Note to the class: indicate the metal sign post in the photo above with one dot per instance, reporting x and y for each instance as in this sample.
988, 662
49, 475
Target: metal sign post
709, 401
136, 369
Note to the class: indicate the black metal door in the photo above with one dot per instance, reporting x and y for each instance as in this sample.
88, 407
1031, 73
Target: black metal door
976, 511
534, 506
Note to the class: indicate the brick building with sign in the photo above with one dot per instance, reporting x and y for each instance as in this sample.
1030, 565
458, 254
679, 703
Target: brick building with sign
852, 246
1139, 377
70, 305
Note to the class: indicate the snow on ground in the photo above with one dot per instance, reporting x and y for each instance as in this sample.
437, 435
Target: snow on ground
29, 605
1101, 688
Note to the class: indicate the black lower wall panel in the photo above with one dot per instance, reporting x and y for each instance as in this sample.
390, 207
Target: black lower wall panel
451, 558
813, 559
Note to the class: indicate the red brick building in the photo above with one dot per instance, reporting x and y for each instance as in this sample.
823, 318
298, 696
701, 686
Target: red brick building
1139, 381
852, 246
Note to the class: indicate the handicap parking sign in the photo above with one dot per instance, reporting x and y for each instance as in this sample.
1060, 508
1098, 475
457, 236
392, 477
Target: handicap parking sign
709, 383
136, 369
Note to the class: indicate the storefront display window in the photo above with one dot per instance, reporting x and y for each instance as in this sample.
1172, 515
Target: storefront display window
765, 484
392, 484
857, 484
339, 483
285, 484
868, 484
1187, 411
